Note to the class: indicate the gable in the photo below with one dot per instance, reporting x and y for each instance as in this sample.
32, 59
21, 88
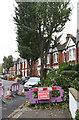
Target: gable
70, 43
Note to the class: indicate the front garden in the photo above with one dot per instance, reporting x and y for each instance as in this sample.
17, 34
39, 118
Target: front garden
66, 76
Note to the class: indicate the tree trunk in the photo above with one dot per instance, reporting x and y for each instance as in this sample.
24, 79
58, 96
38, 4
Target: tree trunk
30, 70
30, 66
41, 50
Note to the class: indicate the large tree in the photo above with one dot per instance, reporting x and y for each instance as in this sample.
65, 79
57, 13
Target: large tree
28, 46
8, 62
41, 22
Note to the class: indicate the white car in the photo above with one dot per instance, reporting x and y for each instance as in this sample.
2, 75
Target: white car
32, 81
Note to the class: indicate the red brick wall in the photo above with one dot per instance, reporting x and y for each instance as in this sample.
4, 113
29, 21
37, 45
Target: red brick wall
67, 56
60, 58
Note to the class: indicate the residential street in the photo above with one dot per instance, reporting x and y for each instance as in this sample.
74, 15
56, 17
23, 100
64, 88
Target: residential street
14, 102
11, 105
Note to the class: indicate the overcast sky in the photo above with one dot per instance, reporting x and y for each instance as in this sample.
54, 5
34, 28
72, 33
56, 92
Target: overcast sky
8, 44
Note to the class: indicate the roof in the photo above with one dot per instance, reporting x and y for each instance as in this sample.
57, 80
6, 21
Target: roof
61, 47
74, 39
77, 35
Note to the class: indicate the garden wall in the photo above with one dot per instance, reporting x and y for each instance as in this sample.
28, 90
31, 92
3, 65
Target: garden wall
73, 101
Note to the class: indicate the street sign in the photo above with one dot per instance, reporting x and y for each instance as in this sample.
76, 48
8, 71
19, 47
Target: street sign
43, 95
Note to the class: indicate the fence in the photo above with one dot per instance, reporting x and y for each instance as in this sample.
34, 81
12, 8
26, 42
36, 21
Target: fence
50, 99
14, 88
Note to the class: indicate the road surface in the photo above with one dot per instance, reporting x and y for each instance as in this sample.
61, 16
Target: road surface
13, 103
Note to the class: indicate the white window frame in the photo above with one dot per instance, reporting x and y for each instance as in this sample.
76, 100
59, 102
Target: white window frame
55, 57
72, 54
23, 65
64, 56
48, 59
39, 61
38, 72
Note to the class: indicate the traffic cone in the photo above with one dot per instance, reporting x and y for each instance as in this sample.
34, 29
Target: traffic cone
8, 93
23, 91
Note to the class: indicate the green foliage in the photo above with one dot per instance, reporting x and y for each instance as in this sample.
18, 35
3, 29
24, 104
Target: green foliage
8, 62
55, 93
65, 66
36, 19
77, 115
77, 68
66, 76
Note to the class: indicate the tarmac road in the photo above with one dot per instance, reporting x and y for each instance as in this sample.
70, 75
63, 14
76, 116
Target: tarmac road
14, 102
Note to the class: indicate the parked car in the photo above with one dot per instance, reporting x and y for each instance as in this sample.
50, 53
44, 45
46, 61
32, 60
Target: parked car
31, 82
1, 76
24, 80
6, 76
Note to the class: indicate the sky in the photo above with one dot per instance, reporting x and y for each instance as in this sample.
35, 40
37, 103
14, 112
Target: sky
8, 44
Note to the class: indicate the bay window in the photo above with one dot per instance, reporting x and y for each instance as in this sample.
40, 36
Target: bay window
55, 57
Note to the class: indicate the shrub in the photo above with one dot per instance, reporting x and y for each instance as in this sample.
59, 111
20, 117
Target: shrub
66, 76
76, 67
77, 115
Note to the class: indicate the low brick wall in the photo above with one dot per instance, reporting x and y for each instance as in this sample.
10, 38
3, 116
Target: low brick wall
73, 101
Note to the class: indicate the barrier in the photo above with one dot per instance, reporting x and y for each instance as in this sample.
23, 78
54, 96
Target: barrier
50, 99
14, 88
2, 91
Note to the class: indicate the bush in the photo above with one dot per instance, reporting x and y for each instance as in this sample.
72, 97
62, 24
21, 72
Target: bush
65, 66
77, 115
66, 76
76, 67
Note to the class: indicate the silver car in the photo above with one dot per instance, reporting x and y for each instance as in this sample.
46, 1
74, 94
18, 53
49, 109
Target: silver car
31, 82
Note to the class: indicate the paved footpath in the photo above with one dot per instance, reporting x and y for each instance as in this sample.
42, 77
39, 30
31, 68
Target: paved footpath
26, 112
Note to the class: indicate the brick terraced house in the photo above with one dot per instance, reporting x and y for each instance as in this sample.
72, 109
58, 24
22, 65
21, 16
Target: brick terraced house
67, 52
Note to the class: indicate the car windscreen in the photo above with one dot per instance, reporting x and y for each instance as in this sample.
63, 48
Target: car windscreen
34, 80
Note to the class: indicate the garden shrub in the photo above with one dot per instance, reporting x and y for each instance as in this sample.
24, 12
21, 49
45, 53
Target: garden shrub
55, 93
76, 67
66, 76
77, 115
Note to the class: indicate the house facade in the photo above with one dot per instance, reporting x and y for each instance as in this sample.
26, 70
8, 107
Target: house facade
67, 52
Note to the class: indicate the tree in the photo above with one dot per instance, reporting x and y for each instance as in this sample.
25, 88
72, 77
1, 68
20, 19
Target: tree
28, 46
43, 21
8, 62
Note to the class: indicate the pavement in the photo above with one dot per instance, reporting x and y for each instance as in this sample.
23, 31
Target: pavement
30, 113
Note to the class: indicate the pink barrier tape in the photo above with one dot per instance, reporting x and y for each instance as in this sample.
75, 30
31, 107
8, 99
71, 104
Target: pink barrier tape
14, 88
2, 91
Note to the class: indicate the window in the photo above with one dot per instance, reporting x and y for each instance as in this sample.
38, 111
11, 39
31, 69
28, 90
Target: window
23, 64
39, 63
74, 53
70, 55
64, 57
48, 59
38, 72
56, 58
